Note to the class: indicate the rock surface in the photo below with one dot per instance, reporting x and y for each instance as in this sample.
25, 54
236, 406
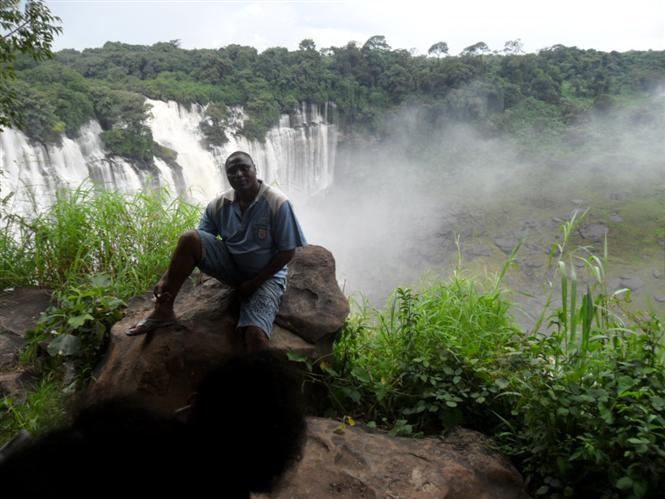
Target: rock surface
20, 310
631, 282
313, 303
505, 244
353, 463
165, 366
594, 232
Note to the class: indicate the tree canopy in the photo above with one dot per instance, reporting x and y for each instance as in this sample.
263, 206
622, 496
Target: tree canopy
30, 32
365, 81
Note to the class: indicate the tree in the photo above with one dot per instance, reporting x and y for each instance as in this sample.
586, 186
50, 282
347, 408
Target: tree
376, 42
476, 49
438, 49
513, 47
307, 44
28, 32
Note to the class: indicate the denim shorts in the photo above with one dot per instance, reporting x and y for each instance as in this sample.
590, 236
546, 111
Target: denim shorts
261, 308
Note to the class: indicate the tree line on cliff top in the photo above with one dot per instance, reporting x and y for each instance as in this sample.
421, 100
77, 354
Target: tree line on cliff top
363, 81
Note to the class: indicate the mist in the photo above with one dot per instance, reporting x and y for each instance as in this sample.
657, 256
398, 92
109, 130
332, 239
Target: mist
397, 204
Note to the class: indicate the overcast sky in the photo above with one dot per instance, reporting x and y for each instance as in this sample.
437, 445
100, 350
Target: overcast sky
409, 24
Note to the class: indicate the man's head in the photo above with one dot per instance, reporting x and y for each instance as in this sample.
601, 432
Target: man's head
241, 171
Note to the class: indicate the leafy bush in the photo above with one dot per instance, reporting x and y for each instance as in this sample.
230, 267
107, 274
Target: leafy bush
432, 359
77, 328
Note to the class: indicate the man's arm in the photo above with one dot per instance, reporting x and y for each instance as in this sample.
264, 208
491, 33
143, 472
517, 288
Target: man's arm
246, 288
207, 223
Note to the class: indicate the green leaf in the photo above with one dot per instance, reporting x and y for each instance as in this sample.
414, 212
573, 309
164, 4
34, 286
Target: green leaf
296, 357
624, 483
65, 345
78, 320
361, 374
501, 383
100, 281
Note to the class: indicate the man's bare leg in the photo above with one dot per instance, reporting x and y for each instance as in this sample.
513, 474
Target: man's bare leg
255, 339
185, 257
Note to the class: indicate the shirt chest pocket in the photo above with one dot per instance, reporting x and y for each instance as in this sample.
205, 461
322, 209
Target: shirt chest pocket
262, 234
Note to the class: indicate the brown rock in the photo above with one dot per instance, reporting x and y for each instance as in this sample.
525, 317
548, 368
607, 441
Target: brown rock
165, 366
353, 463
313, 305
16, 383
20, 308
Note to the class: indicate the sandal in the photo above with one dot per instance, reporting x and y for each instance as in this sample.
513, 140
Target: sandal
147, 325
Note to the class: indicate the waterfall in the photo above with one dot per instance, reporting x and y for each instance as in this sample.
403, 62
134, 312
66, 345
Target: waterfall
298, 155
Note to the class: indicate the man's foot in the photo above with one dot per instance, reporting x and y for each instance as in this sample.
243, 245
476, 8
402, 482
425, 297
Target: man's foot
148, 324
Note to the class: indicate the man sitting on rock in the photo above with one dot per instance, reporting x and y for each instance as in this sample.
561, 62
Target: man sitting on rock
259, 234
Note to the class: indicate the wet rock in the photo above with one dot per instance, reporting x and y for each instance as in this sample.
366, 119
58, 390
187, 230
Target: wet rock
614, 284
659, 298
352, 463
658, 274
618, 196
594, 232
478, 250
631, 282
506, 244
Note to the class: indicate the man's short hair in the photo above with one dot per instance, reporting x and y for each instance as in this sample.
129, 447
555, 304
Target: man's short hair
235, 155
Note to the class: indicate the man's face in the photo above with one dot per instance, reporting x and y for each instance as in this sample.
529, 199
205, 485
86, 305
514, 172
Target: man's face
241, 173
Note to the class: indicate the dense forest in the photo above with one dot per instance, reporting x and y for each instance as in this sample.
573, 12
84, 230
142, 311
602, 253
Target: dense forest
503, 92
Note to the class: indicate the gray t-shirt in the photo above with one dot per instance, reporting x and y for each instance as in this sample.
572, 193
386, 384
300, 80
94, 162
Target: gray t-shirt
253, 238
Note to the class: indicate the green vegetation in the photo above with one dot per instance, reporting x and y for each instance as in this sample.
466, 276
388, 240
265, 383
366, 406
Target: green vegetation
28, 32
88, 232
578, 404
504, 92
95, 249
40, 411
76, 329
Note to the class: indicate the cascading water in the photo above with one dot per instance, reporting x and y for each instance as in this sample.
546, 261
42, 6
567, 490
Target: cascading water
298, 155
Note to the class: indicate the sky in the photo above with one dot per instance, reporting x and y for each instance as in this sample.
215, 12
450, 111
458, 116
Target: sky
414, 25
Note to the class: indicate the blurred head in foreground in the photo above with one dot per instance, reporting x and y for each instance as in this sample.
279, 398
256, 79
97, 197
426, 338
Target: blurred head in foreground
244, 429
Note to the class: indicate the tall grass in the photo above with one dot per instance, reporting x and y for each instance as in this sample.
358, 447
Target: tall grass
95, 249
89, 231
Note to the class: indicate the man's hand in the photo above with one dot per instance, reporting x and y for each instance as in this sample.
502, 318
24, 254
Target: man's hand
246, 288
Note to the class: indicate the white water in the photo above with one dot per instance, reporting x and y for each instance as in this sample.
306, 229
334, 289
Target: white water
298, 155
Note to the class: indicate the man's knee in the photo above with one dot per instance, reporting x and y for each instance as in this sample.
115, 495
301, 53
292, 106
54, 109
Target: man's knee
190, 241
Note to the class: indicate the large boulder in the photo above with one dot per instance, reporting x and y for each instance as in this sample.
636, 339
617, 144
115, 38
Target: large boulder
165, 366
313, 304
348, 462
